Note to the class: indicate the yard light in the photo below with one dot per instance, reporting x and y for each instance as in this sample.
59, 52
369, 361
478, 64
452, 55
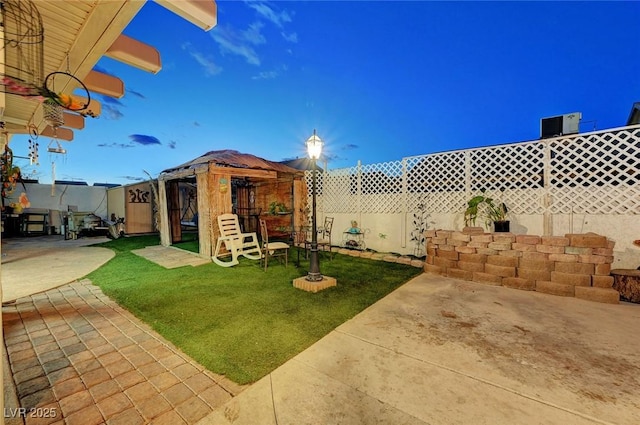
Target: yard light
314, 149
314, 146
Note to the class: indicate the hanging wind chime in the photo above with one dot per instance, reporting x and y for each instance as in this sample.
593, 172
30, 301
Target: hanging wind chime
34, 155
54, 116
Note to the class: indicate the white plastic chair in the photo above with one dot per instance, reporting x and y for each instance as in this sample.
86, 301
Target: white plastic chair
236, 242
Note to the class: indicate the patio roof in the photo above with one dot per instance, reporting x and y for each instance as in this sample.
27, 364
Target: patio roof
235, 159
77, 34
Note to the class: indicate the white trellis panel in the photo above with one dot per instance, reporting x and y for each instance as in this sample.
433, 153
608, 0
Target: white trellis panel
596, 173
441, 177
381, 187
544, 183
594, 200
590, 173
512, 174
339, 191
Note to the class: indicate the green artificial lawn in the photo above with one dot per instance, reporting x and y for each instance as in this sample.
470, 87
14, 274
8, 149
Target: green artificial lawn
241, 321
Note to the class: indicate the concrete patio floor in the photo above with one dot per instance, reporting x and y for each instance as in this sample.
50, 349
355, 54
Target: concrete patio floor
435, 351
445, 351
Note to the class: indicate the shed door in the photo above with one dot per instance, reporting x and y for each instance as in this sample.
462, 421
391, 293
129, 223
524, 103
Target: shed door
138, 209
247, 214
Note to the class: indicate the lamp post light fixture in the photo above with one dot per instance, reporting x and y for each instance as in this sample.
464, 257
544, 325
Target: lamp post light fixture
314, 281
314, 149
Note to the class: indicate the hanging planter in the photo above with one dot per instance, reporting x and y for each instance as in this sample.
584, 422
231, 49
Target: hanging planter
53, 113
57, 82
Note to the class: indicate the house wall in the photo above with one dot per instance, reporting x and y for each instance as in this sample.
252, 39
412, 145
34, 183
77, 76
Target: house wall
59, 198
115, 202
99, 200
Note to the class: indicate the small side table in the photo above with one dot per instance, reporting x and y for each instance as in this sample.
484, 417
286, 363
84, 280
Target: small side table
354, 240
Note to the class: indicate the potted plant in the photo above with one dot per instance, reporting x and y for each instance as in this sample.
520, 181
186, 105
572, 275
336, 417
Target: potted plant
278, 208
492, 212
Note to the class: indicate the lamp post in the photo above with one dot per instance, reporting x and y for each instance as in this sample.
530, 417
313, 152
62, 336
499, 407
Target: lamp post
314, 149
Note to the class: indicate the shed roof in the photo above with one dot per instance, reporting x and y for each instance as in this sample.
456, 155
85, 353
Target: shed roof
302, 164
235, 159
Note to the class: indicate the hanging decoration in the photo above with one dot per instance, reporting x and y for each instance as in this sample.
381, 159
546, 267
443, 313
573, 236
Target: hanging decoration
34, 157
53, 178
54, 116
34, 146
56, 149
23, 37
22, 71
9, 174
53, 113
58, 84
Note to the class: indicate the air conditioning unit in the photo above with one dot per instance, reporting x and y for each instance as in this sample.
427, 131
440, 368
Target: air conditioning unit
560, 125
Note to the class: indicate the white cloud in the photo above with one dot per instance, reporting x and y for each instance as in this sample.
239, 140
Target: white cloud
266, 75
244, 43
239, 43
210, 68
253, 35
277, 17
291, 38
111, 112
269, 75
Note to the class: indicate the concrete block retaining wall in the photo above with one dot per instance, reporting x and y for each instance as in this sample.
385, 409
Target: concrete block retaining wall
574, 265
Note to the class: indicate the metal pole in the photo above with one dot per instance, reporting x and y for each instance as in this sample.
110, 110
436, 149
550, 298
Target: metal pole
314, 262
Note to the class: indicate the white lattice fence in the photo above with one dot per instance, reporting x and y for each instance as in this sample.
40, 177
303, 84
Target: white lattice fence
337, 190
592, 173
381, 187
512, 174
596, 173
436, 180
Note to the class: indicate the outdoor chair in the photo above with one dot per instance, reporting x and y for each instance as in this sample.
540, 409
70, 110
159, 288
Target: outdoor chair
236, 242
299, 238
272, 249
324, 237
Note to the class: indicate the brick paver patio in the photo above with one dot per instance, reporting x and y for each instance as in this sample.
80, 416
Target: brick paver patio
79, 358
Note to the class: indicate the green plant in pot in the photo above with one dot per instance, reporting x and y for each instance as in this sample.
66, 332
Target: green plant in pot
276, 207
481, 206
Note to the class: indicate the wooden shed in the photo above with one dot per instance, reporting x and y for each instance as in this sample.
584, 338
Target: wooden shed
227, 181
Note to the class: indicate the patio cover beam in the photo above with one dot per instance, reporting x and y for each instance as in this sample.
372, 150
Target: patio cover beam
59, 133
180, 174
244, 172
202, 13
135, 53
73, 120
107, 85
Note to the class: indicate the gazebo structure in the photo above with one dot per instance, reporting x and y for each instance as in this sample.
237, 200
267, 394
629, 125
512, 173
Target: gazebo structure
227, 181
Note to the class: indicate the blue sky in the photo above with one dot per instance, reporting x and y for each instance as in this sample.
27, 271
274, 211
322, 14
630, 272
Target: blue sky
379, 80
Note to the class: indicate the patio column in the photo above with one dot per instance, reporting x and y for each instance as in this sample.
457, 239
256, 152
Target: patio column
165, 236
204, 213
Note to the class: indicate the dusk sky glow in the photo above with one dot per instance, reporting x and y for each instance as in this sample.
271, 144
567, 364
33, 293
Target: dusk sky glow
378, 80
